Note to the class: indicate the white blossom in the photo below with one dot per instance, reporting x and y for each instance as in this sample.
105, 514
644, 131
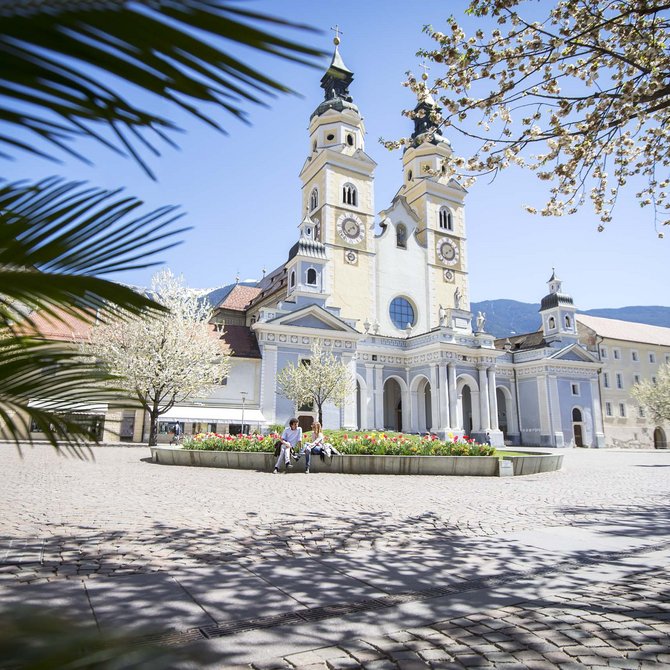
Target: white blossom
165, 359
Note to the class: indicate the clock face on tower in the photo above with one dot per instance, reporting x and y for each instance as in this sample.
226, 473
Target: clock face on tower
447, 251
350, 228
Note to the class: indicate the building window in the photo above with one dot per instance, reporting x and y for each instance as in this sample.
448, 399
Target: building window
653, 381
552, 323
350, 195
576, 414
622, 409
608, 408
634, 357
401, 236
292, 283
640, 412
606, 380
667, 359
313, 199
603, 353
619, 380
311, 277
575, 389
446, 219
350, 139
616, 353
568, 323
652, 357
636, 379
401, 313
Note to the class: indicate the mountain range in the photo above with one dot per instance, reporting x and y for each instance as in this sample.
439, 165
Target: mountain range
510, 317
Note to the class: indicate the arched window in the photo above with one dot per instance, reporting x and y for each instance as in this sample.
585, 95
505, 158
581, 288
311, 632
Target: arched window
576, 414
568, 323
313, 199
311, 277
350, 140
409, 175
552, 322
349, 195
401, 236
292, 278
402, 313
446, 219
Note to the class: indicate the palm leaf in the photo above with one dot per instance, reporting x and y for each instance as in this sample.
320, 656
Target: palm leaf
57, 241
55, 54
58, 376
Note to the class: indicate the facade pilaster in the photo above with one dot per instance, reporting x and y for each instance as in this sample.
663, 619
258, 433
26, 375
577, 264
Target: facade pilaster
379, 397
445, 418
599, 429
349, 410
484, 410
435, 393
268, 399
369, 418
453, 397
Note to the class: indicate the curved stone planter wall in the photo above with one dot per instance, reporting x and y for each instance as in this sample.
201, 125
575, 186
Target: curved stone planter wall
464, 466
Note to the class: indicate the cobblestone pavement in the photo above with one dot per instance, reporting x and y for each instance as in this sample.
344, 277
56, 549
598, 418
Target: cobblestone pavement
117, 514
626, 625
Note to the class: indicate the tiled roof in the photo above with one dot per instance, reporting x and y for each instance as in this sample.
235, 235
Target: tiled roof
239, 298
616, 329
62, 326
242, 341
524, 342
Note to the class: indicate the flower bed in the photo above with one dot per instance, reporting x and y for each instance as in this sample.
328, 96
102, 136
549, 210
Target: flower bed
347, 442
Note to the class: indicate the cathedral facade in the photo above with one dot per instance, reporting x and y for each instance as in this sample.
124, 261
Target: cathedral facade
388, 292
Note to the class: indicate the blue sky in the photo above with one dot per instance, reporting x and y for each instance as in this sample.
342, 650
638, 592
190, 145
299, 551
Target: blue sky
241, 192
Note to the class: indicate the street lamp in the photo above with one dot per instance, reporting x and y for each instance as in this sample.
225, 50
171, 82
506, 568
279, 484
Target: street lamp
244, 400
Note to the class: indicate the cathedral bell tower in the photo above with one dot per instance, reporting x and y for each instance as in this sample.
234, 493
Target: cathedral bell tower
438, 201
558, 314
338, 191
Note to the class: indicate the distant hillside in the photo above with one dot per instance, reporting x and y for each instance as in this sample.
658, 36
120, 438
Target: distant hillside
509, 317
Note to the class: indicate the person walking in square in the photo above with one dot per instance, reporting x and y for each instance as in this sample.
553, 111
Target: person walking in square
291, 439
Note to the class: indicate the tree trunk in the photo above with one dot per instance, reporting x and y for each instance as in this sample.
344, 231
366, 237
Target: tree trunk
320, 408
153, 427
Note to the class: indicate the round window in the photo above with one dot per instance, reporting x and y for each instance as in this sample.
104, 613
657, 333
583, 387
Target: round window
402, 313
330, 137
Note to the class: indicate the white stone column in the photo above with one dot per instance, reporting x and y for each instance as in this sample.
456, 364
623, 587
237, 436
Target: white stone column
543, 404
555, 412
599, 429
453, 397
369, 417
493, 400
268, 399
484, 415
349, 408
379, 397
435, 413
445, 421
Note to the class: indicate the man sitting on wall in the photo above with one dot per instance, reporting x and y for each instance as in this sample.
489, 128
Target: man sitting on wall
291, 439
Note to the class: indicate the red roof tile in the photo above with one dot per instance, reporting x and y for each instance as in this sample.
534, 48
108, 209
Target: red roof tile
239, 298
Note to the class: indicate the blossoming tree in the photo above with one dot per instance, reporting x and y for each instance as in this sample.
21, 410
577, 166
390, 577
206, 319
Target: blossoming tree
655, 396
323, 378
578, 92
163, 359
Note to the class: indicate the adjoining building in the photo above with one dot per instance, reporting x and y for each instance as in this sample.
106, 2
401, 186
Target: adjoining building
388, 292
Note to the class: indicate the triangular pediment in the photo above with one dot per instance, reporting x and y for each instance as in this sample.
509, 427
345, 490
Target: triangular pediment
313, 317
574, 352
399, 204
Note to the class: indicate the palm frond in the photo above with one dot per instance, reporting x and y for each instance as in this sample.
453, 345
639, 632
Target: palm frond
44, 385
57, 241
56, 56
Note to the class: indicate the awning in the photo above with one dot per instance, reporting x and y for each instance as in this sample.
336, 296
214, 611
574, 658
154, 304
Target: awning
68, 407
212, 414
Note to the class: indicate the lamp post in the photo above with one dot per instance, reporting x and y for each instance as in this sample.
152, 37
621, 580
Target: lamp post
244, 400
